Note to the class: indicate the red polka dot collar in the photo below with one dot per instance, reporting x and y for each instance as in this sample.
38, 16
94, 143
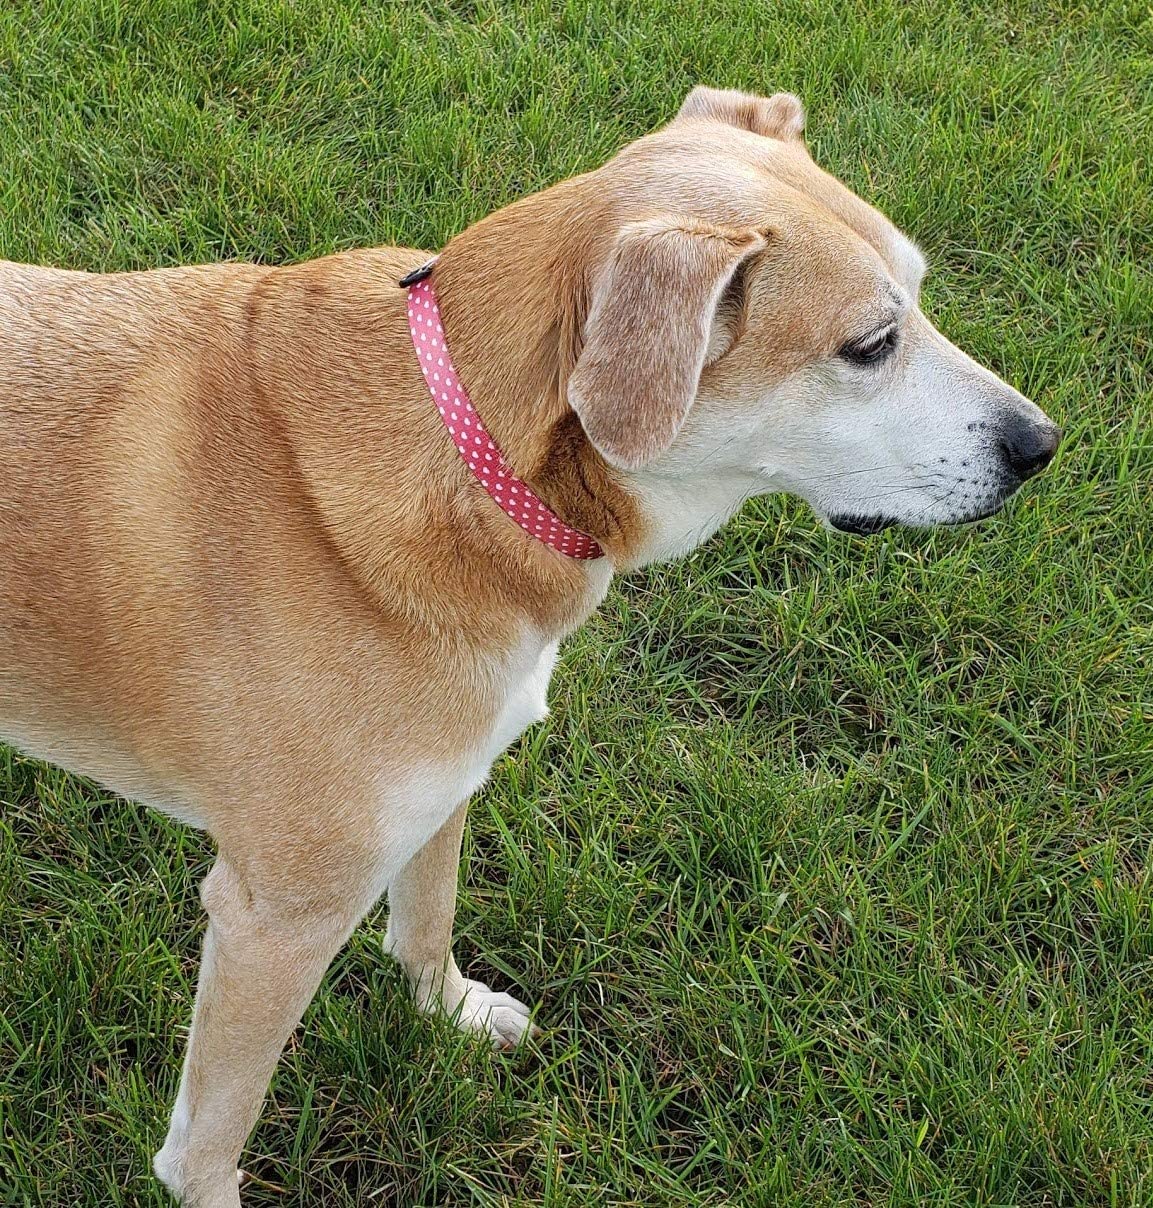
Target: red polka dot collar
479, 451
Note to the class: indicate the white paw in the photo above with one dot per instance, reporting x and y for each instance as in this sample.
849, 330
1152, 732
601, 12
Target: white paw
504, 1019
443, 991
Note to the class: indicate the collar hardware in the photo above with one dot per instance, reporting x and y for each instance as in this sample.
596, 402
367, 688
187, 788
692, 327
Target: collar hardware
417, 274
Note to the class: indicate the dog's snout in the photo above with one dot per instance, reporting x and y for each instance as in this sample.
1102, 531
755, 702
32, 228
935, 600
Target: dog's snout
1029, 446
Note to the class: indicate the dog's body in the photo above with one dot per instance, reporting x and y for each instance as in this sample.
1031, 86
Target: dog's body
247, 580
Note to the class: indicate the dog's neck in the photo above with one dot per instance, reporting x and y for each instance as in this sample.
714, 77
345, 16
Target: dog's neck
513, 300
466, 427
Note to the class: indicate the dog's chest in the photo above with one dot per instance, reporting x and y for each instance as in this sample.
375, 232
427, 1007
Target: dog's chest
435, 789
526, 702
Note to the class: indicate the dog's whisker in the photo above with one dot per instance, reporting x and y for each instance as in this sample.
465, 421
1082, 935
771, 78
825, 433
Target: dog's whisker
847, 473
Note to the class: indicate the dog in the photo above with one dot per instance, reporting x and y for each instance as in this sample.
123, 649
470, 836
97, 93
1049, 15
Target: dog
248, 579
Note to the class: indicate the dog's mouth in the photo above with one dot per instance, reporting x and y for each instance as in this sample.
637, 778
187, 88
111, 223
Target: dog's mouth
861, 526
865, 526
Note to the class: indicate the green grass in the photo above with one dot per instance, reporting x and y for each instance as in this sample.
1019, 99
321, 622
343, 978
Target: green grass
831, 872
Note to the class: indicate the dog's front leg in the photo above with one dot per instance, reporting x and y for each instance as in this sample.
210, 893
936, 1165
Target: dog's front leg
422, 904
270, 938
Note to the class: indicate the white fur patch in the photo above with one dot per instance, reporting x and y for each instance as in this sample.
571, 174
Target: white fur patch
417, 807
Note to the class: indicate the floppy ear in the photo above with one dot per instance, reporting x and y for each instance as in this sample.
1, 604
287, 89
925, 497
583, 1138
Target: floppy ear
648, 333
780, 116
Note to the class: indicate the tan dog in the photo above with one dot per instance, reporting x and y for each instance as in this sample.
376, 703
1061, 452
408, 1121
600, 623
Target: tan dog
247, 580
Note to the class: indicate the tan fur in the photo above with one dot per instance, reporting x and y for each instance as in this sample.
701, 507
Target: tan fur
778, 116
246, 579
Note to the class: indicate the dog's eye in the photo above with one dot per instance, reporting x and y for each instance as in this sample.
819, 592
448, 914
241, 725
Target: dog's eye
872, 349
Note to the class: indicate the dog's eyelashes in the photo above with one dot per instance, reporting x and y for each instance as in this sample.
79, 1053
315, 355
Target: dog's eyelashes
872, 349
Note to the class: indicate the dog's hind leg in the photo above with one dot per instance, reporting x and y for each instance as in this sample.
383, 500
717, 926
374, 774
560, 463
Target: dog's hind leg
422, 905
268, 943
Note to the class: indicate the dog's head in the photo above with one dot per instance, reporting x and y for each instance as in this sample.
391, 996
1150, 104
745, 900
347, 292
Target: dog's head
754, 326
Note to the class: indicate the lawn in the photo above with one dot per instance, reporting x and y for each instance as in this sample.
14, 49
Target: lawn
831, 873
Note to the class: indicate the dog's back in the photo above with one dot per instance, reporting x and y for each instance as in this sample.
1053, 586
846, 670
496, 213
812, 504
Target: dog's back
110, 387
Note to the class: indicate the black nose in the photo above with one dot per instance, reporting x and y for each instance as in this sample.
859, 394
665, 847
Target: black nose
1029, 446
